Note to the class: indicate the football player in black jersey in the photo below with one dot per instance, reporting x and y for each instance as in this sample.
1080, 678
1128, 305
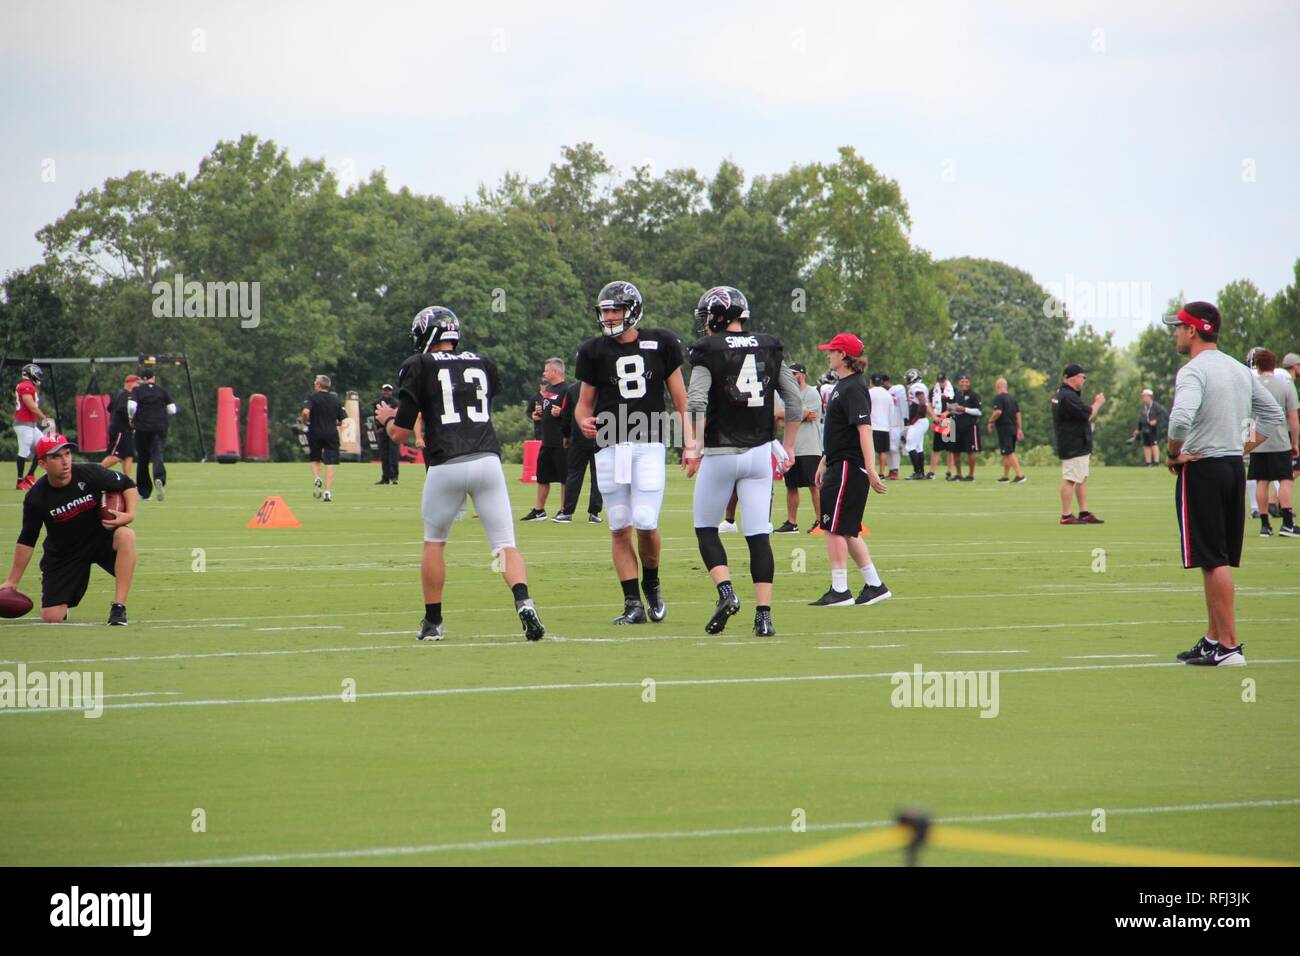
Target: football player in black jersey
452, 392
624, 372
734, 375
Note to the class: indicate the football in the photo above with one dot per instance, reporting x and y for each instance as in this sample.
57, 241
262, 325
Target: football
113, 502
13, 603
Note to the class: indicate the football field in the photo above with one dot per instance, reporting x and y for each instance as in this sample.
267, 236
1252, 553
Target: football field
269, 702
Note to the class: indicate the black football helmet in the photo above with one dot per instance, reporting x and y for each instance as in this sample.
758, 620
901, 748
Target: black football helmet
910, 376
719, 307
619, 295
434, 324
32, 373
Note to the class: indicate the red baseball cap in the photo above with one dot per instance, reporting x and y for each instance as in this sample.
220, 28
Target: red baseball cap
49, 444
845, 342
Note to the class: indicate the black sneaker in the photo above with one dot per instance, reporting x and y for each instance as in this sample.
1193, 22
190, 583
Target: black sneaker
533, 627
1288, 531
833, 598
763, 626
595, 519
534, 514
1218, 656
788, 528
1254, 514
117, 615
726, 607
654, 602
1019, 480
429, 631
562, 518
1199, 649
393, 482
383, 481
873, 594
915, 476
967, 478
633, 612
1265, 531
1003, 480
949, 477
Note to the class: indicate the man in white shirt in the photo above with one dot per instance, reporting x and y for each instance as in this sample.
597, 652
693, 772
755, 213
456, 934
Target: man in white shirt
897, 418
882, 405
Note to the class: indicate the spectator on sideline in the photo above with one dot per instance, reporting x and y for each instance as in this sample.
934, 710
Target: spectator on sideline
966, 413
1072, 420
1214, 394
1006, 419
580, 458
1271, 461
389, 450
551, 465
807, 452
1148, 429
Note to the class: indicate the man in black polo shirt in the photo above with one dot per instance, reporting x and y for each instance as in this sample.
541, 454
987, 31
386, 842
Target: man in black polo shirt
389, 450
966, 415
324, 415
121, 443
1072, 420
580, 457
148, 410
551, 466
1006, 418
66, 502
845, 474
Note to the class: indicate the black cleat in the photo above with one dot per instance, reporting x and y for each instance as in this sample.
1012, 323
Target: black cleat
763, 626
429, 631
833, 598
1199, 649
534, 630
633, 612
873, 594
1219, 656
116, 615
788, 528
654, 602
726, 607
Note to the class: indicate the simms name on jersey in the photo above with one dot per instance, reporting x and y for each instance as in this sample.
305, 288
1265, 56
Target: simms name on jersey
743, 371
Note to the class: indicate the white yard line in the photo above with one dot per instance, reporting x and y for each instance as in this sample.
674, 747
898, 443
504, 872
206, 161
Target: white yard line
588, 838
600, 685
1101, 657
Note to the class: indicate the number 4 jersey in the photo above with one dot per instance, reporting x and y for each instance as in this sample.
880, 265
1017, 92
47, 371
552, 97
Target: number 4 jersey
452, 392
633, 373
744, 369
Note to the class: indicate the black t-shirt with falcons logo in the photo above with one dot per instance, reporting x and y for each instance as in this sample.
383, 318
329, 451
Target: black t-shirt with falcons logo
743, 372
452, 393
632, 374
848, 407
70, 514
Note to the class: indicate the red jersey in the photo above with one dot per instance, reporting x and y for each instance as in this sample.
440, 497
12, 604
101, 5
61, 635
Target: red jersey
21, 412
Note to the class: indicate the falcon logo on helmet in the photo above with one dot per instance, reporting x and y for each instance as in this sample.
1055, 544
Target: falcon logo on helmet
910, 376
432, 325
32, 373
615, 296
719, 307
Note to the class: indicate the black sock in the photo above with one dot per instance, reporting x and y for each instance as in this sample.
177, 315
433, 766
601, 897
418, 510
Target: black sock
1288, 517
20, 469
630, 592
725, 589
31, 468
433, 612
520, 591
649, 578
764, 607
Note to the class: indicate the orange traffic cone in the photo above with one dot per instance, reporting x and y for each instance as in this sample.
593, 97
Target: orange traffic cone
274, 513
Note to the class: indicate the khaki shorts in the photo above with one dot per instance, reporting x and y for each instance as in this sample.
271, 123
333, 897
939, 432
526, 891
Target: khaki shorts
1075, 469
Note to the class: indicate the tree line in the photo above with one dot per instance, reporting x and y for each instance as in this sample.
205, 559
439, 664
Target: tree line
819, 249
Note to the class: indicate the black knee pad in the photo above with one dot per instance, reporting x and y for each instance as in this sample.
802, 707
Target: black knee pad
711, 549
762, 566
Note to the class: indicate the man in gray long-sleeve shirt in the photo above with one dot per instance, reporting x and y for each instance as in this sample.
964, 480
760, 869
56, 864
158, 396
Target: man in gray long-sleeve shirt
733, 377
1217, 405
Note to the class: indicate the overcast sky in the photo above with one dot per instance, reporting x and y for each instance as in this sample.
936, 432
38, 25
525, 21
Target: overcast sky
1118, 151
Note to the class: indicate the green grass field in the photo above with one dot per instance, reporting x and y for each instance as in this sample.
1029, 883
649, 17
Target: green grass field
225, 693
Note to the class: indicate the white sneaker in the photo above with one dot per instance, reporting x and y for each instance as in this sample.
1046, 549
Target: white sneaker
727, 526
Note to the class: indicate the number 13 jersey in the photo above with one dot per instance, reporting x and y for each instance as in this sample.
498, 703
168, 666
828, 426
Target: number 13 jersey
633, 373
452, 392
743, 370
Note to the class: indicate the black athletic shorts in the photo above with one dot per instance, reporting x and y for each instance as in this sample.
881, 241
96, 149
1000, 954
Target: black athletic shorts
1211, 512
1150, 438
552, 466
968, 439
843, 498
880, 440
1006, 442
1269, 466
326, 452
120, 443
65, 577
940, 444
802, 472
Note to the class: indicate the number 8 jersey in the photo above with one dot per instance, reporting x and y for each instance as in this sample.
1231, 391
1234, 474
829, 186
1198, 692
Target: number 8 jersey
743, 369
452, 392
630, 373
